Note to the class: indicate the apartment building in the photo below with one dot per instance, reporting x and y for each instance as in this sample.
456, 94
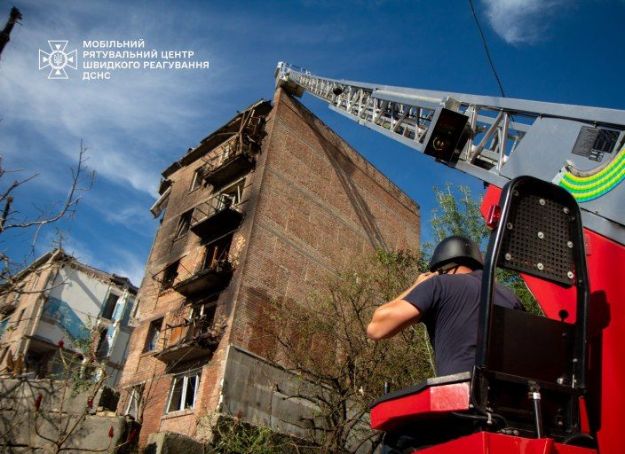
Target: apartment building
266, 207
59, 301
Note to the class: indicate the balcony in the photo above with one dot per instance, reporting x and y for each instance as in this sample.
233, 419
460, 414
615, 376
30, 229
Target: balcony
229, 167
213, 277
190, 340
219, 214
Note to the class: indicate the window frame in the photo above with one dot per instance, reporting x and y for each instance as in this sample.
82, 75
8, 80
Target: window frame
184, 224
166, 282
106, 305
103, 347
135, 395
238, 187
196, 181
185, 376
214, 249
147, 343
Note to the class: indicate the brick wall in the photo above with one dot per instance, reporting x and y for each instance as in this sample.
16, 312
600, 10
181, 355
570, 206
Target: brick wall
320, 205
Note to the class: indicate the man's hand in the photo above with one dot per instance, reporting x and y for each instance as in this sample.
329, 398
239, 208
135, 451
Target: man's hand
392, 317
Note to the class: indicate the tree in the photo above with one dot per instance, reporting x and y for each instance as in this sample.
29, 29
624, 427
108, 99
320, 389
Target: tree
341, 370
12, 219
58, 415
458, 213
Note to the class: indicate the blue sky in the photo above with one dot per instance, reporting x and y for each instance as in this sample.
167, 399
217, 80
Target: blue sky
139, 121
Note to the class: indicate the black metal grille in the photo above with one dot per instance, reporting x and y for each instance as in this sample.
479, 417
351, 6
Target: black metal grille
538, 239
593, 143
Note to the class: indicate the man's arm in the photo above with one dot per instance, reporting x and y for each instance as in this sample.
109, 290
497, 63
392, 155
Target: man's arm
392, 317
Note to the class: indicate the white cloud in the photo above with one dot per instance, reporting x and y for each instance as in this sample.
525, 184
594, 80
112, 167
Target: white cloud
118, 261
521, 21
123, 120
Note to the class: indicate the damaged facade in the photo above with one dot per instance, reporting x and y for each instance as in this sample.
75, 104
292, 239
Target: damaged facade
58, 299
264, 208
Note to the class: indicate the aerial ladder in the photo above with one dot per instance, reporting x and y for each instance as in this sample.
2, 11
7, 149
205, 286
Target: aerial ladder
556, 204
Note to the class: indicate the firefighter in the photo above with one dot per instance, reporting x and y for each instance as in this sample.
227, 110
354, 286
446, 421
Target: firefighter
447, 300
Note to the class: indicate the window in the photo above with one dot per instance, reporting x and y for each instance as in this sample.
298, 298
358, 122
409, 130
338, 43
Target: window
196, 182
135, 397
109, 306
103, 347
170, 273
231, 196
217, 251
127, 310
183, 391
203, 311
3, 326
183, 224
154, 333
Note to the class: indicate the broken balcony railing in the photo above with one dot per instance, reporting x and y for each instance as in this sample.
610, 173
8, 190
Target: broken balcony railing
236, 159
213, 277
218, 214
190, 339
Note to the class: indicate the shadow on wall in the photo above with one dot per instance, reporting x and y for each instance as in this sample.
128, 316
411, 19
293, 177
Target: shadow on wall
344, 169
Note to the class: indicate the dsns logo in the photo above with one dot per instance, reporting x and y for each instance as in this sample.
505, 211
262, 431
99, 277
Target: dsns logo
57, 60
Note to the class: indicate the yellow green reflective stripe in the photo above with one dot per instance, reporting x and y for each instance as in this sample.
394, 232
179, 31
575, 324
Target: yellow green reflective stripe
618, 161
591, 187
591, 182
596, 192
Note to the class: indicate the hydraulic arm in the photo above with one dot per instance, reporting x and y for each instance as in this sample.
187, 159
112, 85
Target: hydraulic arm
494, 139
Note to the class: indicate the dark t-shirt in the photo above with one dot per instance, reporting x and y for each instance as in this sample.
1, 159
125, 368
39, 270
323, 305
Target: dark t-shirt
449, 306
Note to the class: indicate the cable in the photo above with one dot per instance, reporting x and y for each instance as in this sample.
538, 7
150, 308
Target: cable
485, 45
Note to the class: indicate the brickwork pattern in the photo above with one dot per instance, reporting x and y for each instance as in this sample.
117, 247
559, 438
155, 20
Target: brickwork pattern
321, 205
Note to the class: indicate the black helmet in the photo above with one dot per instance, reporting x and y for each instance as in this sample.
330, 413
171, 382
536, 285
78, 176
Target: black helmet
454, 251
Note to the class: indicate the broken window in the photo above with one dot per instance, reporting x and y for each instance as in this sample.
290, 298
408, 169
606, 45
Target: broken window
103, 347
204, 311
109, 306
231, 196
196, 182
217, 252
183, 391
135, 397
183, 224
154, 333
170, 273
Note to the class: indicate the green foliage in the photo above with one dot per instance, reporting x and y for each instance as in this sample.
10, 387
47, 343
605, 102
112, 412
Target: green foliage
231, 436
464, 218
326, 344
458, 213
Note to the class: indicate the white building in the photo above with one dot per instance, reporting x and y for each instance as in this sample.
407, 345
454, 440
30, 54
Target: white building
60, 301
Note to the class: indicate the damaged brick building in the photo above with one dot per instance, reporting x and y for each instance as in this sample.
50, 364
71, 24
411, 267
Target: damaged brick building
265, 207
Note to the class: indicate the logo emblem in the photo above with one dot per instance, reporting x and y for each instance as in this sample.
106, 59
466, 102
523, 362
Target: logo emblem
57, 60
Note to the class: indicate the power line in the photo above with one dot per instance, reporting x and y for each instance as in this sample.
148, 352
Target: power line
485, 45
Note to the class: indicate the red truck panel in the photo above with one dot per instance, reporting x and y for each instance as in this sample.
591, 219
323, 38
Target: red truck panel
606, 332
494, 443
436, 399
